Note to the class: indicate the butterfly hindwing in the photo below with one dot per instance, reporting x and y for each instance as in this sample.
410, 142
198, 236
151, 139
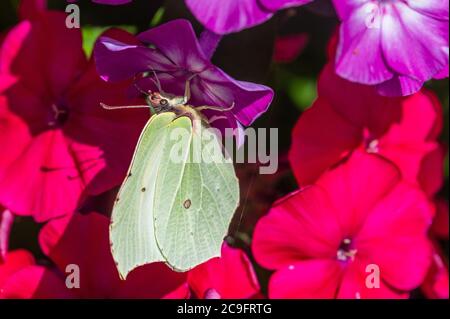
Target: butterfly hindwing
192, 219
177, 202
132, 231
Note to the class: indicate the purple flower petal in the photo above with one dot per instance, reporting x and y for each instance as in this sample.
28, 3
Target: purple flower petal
414, 44
275, 5
112, 2
185, 51
442, 74
359, 55
399, 86
224, 17
434, 8
117, 60
345, 8
175, 62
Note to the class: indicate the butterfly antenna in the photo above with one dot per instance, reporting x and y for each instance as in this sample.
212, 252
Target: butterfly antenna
157, 82
141, 90
109, 107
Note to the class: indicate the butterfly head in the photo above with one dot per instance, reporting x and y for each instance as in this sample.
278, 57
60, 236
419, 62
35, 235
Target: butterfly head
164, 101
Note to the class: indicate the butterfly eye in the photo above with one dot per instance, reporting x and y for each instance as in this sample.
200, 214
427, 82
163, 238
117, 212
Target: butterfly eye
163, 102
153, 97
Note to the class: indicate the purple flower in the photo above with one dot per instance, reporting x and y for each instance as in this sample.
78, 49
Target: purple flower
396, 45
173, 52
224, 17
112, 2
227, 16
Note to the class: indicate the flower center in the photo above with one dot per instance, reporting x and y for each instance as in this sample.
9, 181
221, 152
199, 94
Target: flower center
371, 144
346, 251
58, 115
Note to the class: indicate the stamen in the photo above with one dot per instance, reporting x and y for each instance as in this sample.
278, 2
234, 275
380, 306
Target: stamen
345, 251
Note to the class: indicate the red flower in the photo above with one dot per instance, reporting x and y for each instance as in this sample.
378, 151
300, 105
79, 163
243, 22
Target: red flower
57, 142
83, 241
348, 116
14, 261
436, 285
289, 47
230, 276
320, 240
440, 227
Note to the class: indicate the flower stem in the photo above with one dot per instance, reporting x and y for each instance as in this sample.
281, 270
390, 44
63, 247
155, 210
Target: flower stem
209, 42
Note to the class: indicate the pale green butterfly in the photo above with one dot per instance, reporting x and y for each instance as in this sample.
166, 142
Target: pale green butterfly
172, 212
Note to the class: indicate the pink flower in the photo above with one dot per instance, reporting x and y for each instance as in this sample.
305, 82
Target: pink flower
404, 130
14, 262
29, 9
436, 284
321, 239
440, 227
289, 47
83, 241
58, 144
230, 276
394, 45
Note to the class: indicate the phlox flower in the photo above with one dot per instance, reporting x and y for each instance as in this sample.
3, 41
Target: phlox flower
83, 241
395, 45
230, 276
13, 262
403, 129
321, 239
436, 283
58, 144
224, 17
174, 53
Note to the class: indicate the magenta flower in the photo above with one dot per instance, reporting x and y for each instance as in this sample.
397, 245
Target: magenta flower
321, 239
404, 130
224, 17
395, 45
83, 240
230, 276
177, 55
14, 261
289, 47
112, 2
436, 284
58, 144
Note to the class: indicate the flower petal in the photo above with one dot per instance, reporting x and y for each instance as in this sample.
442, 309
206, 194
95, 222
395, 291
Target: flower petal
426, 39
359, 55
312, 279
394, 237
224, 17
298, 226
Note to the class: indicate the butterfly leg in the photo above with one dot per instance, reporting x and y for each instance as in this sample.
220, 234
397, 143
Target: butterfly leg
217, 118
187, 89
215, 108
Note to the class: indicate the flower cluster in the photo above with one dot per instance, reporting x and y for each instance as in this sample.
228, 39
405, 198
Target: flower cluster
366, 220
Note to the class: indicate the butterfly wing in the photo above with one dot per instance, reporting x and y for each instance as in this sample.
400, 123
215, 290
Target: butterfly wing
132, 231
195, 200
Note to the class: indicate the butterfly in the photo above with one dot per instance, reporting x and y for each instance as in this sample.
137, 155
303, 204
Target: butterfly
173, 211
